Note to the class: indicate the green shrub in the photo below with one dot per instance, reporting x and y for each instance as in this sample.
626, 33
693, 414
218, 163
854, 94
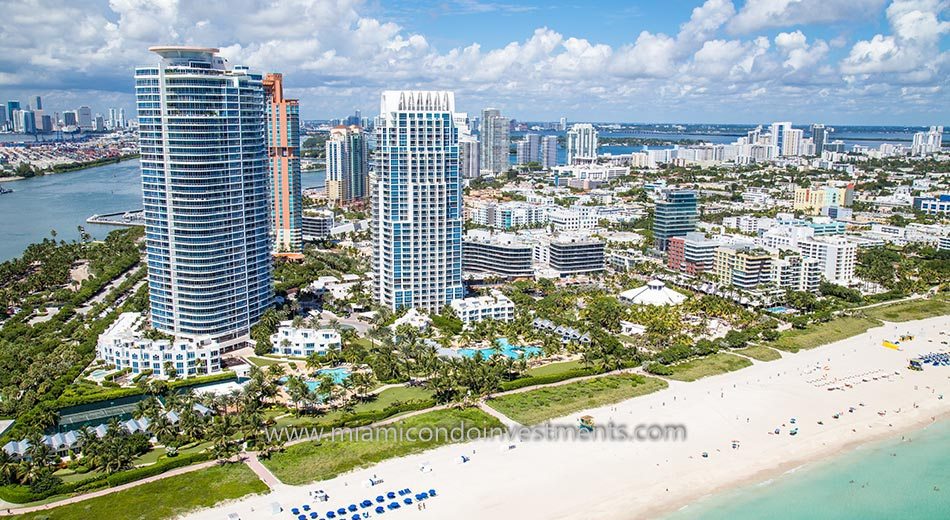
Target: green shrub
522, 382
659, 369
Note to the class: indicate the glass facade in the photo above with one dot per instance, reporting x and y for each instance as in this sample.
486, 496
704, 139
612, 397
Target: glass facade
417, 202
205, 193
674, 216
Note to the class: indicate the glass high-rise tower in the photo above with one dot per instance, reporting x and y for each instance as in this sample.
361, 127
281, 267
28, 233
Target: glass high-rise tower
417, 201
347, 164
204, 189
674, 216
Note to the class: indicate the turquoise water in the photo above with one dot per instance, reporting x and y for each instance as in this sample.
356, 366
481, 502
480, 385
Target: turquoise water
338, 374
507, 349
891, 479
64, 201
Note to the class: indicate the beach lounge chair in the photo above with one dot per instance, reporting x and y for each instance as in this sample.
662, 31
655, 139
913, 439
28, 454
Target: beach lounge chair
314, 515
380, 499
352, 508
407, 501
431, 492
366, 503
341, 511
380, 510
390, 495
301, 517
355, 517
306, 507
295, 511
331, 514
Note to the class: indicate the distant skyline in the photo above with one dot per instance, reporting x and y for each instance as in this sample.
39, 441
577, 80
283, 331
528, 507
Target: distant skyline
845, 62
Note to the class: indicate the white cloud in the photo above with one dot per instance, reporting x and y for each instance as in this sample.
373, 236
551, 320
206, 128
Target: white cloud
336, 55
761, 14
912, 52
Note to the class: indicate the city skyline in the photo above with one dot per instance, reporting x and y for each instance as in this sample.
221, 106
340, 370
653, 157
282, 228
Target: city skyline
718, 61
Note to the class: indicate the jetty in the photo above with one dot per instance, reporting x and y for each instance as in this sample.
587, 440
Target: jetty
134, 217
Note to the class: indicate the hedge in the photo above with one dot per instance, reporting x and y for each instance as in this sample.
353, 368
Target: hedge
124, 477
358, 419
548, 379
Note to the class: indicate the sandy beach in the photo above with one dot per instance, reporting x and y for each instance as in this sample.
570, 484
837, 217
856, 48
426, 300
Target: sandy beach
626, 480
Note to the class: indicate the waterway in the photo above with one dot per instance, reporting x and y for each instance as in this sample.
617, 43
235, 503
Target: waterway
64, 201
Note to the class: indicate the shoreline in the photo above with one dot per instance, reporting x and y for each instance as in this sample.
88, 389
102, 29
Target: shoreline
813, 462
624, 480
83, 166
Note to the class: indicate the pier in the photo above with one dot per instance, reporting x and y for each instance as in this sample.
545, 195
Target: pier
134, 217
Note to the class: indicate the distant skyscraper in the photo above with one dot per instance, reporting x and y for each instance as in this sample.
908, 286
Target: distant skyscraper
113, 118
99, 124
562, 125
819, 135
521, 153
469, 156
347, 164
927, 142
121, 121
69, 118
581, 142
674, 216
3, 116
494, 141
283, 150
417, 202
84, 115
778, 131
37, 103
204, 190
11, 106
26, 121
549, 151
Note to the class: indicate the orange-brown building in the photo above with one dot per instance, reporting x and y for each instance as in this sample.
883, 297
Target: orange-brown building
283, 149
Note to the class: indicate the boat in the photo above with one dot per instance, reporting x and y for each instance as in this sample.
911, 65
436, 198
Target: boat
4, 191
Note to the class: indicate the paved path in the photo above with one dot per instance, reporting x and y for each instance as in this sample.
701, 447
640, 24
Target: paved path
509, 423
262, 472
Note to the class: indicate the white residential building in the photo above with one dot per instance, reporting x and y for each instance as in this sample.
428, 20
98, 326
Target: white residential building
304, 341
124, 345
495, 306
571, 219
927, 142
417, 202
836, 254
581, 142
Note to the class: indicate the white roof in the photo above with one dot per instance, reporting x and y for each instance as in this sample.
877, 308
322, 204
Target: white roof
654, 292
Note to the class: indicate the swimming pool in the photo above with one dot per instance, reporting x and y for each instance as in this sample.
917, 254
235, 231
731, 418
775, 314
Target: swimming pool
507, 350
99, 374
780, 310
338, 374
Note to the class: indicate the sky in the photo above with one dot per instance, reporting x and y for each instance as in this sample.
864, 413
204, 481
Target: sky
871, 62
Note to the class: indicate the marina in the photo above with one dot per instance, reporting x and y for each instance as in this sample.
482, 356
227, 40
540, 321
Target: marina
134, 217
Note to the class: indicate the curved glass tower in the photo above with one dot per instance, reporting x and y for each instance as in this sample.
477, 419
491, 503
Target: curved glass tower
205, 194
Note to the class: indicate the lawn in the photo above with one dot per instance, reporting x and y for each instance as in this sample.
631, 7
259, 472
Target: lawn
759, 353
327, 458
166, 498
537, 406
822, 334
711, 365
555, 368
910, 310
386, 398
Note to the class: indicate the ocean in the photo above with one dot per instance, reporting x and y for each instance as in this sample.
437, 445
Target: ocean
892, 479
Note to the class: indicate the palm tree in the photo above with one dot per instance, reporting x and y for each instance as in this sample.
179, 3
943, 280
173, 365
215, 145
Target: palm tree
222, 432
163, 429
362, 382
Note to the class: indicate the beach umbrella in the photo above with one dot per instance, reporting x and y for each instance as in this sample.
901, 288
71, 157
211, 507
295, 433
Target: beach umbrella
390, 495
331, 514
407, 501
380, 510
380, 499
313, 515
431, 492
352, 507
341, 511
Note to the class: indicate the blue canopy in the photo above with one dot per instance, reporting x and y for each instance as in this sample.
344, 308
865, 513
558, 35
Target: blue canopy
380, 499
380, 510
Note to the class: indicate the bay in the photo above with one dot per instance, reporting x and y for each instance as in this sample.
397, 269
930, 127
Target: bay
61, 202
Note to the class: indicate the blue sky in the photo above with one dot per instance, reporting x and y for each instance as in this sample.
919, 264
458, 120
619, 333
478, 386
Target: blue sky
727, 61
